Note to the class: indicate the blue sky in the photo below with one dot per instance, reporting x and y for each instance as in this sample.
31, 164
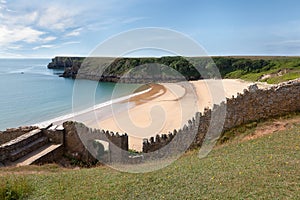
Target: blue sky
39, 28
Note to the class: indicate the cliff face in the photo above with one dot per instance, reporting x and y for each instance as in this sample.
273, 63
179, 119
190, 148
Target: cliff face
70, 65
65, 62
119, 69
170, 69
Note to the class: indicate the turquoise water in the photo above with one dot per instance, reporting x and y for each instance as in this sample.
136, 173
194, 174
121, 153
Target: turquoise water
31, 93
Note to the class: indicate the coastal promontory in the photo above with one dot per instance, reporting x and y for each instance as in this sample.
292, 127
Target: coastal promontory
173, 68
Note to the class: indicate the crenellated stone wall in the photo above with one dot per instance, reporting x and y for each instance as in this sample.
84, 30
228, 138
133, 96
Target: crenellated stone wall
254, 104
75, 140
86, 144
79, 142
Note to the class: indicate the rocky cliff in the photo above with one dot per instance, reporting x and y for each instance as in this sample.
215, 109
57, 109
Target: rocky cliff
70, 65
65, 62
176, 68
121, 69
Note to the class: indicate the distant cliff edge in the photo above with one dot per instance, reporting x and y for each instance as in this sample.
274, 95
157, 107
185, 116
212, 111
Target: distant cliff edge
124, 69
176, 68
70, 65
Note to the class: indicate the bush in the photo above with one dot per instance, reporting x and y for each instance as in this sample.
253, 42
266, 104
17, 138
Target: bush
15, 188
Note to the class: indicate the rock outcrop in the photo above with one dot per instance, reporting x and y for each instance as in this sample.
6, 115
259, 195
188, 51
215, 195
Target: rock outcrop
65, 62
124, 69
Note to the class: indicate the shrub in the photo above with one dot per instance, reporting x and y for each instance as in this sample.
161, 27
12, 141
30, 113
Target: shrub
15, 188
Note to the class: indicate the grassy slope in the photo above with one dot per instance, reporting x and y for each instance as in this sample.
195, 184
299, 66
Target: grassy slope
267, 168
292, 64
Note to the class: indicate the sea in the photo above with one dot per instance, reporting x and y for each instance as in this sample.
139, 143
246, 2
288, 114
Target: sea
31, 93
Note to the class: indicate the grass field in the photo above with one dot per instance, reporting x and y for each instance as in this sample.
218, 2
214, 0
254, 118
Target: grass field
267, 167
280, 68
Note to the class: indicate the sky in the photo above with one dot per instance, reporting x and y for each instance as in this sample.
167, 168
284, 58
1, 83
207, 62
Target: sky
39, 28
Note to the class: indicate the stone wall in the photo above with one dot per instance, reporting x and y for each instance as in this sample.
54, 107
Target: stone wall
12, 133
254, 104
79, 142
55, 134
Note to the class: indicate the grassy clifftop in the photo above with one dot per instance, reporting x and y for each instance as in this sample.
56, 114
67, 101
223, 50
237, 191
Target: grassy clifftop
255, 68
266, 167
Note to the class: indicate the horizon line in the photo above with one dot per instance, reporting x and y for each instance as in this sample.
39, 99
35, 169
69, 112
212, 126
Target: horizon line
153, 56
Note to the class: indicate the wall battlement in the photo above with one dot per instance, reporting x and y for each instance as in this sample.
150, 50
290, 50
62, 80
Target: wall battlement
253, 104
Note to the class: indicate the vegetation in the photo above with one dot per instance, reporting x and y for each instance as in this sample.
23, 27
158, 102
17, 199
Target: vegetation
264, 168
14, 188
278, 69
236, 134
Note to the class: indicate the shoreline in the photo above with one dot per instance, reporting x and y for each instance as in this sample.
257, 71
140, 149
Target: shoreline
70, 116
177, 104
159, 109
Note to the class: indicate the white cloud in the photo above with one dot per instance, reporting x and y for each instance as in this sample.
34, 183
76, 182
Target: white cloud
49, 39
24, 26
52, 46
75, 32
71, 42
10, 35
15, 47
12, 19
43, 46
57, 18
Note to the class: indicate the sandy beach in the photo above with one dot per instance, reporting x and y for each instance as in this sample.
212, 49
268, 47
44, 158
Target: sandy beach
159, 109
170, 107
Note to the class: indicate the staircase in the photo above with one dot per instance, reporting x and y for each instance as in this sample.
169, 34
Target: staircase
30, 148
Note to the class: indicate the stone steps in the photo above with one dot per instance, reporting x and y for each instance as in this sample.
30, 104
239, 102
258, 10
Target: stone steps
34, 147
22, 143
20, 152
22, 140
46, 153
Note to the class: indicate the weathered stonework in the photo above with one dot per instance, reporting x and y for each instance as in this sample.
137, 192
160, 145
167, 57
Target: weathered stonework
49, 144
254, 104
79, 142
12, 133
86, 144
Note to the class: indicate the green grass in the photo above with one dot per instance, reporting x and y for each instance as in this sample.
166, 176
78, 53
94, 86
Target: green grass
274, 66
237, 134
13, 188
251, 76
264, 168
285, 77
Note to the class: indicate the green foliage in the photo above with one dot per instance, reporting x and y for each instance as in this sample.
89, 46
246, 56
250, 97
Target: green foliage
15, 188
133, 152
285, 77
191, 68
235, 74
246, 129
237, 133
79, 163
253, 70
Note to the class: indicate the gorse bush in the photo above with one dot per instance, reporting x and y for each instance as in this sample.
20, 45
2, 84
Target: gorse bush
15, 188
